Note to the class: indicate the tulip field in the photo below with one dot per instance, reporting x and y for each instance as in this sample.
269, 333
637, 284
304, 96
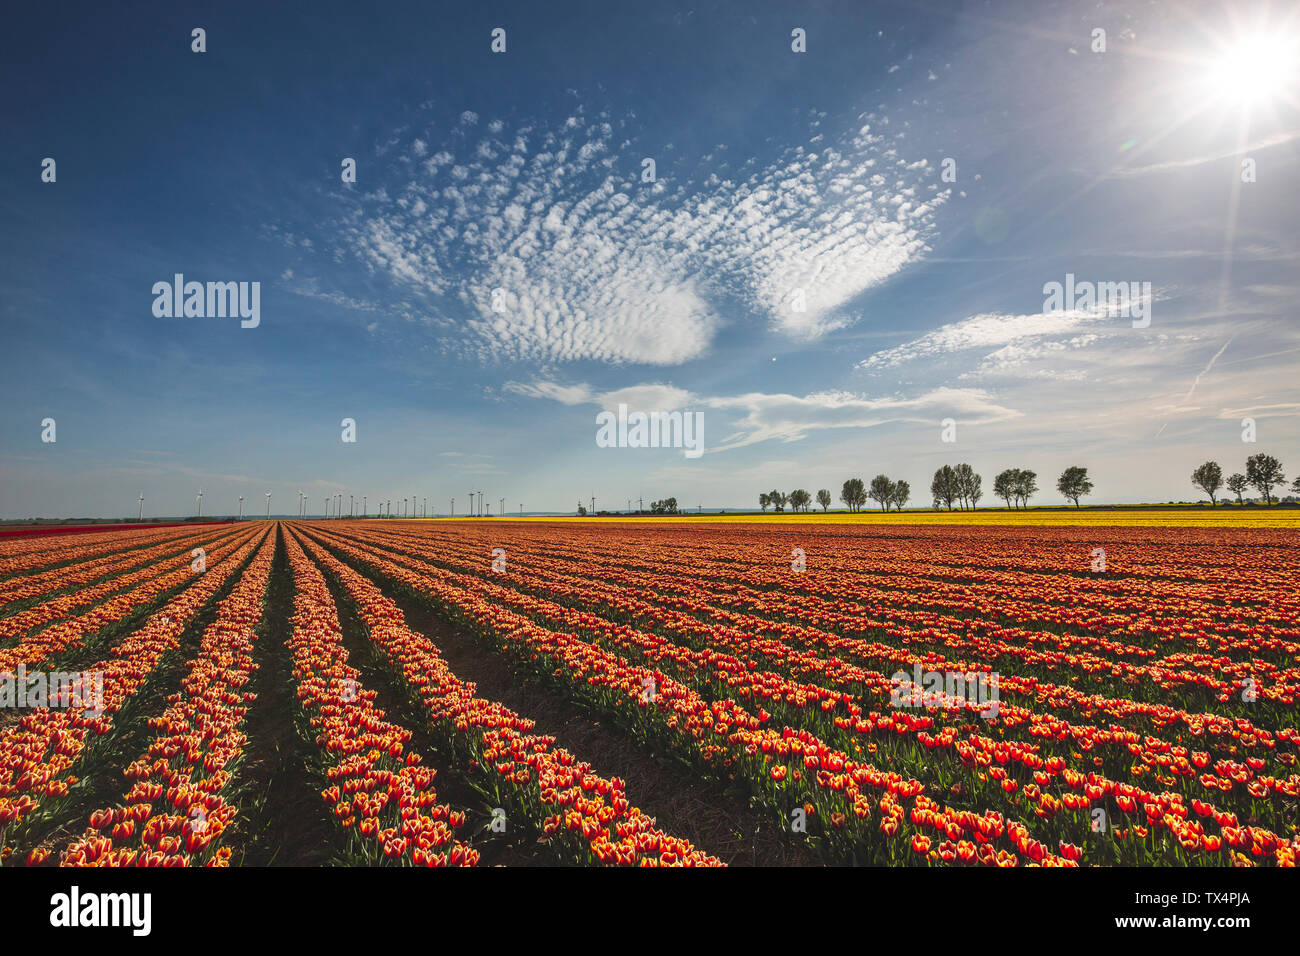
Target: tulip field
603, 693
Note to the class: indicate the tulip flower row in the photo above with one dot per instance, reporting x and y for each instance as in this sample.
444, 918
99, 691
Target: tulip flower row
785, 766
650, 606
866, 679
138, 589
813, 610
378, 790
1151, 753
22, 555
643, 610
39, 753
560, 793
66, 577
1225, 618
1221, 555
175, 812
1268, 680
63, 605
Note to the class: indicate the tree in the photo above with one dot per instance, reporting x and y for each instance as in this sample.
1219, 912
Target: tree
1074, 483
968, 485
824, 499
1295, 486
764, 501
799, 499
1004, 485
965, 477
1209, 478
882, 489
1026, 485
1264, 471
1237, 483
781, 499
943, 487
902, 491
854, 494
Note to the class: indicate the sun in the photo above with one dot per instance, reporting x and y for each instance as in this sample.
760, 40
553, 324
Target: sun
1253, 70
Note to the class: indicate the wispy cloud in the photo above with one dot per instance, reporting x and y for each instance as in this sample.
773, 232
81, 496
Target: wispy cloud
1013, 340
758, 416
1277, 139
984, 331
548, 245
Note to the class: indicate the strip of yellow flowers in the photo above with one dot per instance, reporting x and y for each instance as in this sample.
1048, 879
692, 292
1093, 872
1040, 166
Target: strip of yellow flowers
1119, 516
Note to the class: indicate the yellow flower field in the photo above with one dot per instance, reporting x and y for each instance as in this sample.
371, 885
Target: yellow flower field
1118, 517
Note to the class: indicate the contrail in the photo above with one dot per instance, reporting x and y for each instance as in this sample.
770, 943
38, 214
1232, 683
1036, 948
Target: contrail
1197, 381
1278, 139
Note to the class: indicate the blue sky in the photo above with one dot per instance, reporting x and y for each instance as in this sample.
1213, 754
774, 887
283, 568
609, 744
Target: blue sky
777, 175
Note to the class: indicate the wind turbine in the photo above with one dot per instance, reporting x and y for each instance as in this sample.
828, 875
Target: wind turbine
425, 512
363, 506
453, 507
502, 512
480, 504
241, 507
268, 506
470, 513
593, 504
199, 498
351, 506
140, 516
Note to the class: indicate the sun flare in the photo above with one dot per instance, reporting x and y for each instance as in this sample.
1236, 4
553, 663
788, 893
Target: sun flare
1255, 69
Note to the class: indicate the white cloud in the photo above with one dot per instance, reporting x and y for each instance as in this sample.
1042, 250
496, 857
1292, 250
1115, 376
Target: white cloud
564, 394
595, 264
984, 331
791, 418
757, 416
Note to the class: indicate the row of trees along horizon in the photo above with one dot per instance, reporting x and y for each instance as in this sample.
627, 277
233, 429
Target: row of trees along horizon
960, 485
